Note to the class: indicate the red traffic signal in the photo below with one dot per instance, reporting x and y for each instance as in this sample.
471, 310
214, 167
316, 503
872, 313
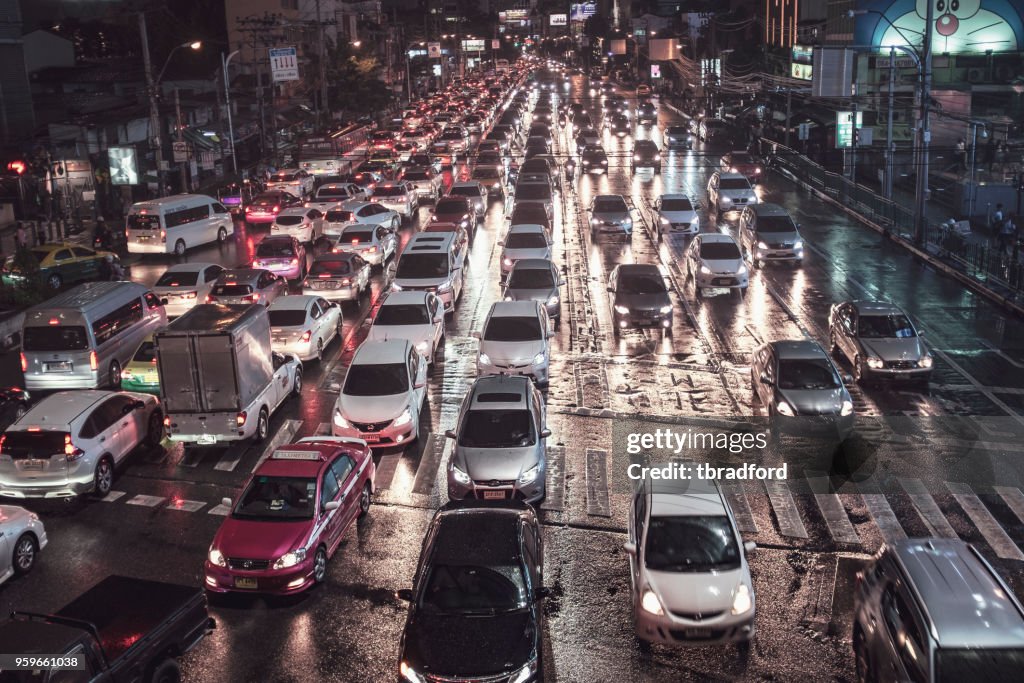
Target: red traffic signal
18, 166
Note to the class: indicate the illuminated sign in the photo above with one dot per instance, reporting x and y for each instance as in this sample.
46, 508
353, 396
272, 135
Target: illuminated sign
514, 15
559, 19
845, 126
802, 71
655, 70
475, 45
123, 169
962, 26
581, 10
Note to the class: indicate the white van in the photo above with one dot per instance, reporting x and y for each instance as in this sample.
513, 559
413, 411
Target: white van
174, 224
81, 338
431, 262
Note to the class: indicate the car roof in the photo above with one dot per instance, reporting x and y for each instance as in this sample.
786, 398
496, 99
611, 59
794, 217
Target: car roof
335, 256
60, 409
640, 268
798, 348
709, 237
966, 601
500, 392
514, 309
527, 227
876, 308
472, 184
676, 196
299, 460
533, 264
381, 352
292, 302
405, 298
495, 534
611, 197
190, 267
768, 209
731, 176
278, 238
354, 204
684, 497
645, 143
293, 211
281, 171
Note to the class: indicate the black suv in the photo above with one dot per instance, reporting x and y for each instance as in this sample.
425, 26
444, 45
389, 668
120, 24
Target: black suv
646, 155
475, 609
647, 113
593, 160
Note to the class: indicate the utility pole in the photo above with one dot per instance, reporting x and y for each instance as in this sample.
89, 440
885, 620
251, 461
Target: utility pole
322, 103
925, 133
154, 114
185, 185
225, 61
789, 114
889, 149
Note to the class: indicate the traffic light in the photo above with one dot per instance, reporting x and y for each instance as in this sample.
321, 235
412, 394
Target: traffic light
18, 166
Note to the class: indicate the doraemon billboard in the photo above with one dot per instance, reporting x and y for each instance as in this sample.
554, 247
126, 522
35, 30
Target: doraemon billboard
959, 25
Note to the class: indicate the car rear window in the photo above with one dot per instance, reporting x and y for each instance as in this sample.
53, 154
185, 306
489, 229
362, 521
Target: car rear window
389, 191
330, 268
232, 290
146, 353
356, 236
338, 216
535, 191
34, 444
451, 206
274, 249
331, 192
55, 338
140, 222
286, 318
289, 220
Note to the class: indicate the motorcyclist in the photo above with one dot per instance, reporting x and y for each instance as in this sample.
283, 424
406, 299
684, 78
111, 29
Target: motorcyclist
570, 170
101, 235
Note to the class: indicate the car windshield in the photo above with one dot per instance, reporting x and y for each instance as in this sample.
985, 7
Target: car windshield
146, 353
338, 216
776, 224
331, 192
178, 279
287, 317
513, 329
699, 543
719, 251
449, 206
645, 283
533, 191
734, 184
676, 205
383, 379
472, 589
895, 326
289, 220
32, 444
609, 206
417, 175
402, 314
330, 268
981, 664
389, 191
677, 130
422, 266
55, 338
531, 278
277, 498
274, 249
486, 174
497, 429
525, 240
807, 373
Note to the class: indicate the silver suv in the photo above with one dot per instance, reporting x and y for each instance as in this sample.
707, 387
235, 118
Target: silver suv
499, 449
935, 610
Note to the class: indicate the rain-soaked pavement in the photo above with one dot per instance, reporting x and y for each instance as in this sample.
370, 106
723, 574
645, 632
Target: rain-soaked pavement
922, 462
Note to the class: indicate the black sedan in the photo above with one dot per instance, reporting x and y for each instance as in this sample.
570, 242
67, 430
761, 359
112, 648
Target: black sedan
593, 160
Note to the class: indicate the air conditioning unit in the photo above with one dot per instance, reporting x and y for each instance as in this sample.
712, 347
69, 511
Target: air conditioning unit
975, 75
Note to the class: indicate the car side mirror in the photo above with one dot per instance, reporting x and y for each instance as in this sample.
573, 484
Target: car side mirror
332, 505
404, 594
561, 281
921, 333
766, 380
629, 548
449, 433
138, 405
501, 243
847, 378
545, 433
226, 502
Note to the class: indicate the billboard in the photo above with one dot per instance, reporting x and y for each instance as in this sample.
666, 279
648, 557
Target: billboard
579, 11
475, 45
618, 47
663, 49
961, 26
514, 15
559, 19
123, 168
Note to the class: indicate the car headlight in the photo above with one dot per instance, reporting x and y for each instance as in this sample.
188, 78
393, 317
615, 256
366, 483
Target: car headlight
539, 358
594, 221
461, 476
650, 603
726, 200
622, 310
444, 287
636, 157
742, 601
627, 223
847, 408
395, 287
784, 408
483, 359
290, 559
339, 421
552, 300
508, 297
665, 309
525, 673
507, 261
409, 674
742, 270
757, 170
217, 558
874, 363
798, 245
657, 157
665, 221
704, 270
762, 245
926, 361
530, 475
403, 419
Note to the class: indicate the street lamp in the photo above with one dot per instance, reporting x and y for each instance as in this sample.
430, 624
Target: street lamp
225, 61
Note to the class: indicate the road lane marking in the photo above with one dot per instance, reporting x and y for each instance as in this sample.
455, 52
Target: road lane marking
554, 480
997, 539
927, 508
1013, 498
385, 474
284, 435
978, 385
323, 429
220, 510
232, 455
112, 496
885, 518
832, 509
426, 473
737, 500
786, 512
597, 483
145, 501
185, 505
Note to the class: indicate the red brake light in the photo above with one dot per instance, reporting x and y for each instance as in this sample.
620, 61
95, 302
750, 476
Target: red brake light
70, 452
240, 418
24, 363
307, 335
276, 209
294, 262
248, 209
167, 421
55, 321
94, 363
163, 236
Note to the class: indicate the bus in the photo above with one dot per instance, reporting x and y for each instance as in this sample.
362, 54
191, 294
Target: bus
331, 154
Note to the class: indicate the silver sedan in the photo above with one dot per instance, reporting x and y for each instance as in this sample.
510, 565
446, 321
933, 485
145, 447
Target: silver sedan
22, 536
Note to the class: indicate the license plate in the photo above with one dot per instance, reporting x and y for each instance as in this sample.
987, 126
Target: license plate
370, 438
61, 366
494, 495
207, 439
142, 238
245, 582
32, 465
722, 281
698, 633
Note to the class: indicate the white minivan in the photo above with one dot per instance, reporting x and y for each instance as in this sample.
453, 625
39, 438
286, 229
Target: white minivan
172, 225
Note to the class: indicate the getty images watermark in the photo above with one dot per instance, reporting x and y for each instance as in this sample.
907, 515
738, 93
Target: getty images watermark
676, 441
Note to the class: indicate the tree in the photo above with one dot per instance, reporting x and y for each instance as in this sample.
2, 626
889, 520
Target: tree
353, 80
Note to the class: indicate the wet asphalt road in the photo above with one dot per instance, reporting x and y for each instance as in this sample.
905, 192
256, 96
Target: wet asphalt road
967, 428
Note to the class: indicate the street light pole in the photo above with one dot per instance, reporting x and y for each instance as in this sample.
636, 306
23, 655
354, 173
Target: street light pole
154, 114
225, 61
925, 135
889, 165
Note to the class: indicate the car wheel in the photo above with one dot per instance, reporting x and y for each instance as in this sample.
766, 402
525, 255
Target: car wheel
743, 650
643, 645
365, 499
24, 557
168, 671
155, 429
179, 248
262, 426
115, 375
319, 350
222, 236
54, 281
103, 477
858, 371
297, 386
320, 565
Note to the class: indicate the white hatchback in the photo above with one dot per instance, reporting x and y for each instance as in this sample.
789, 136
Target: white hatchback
714, 261
183, 285
302, 223
303, 325
415, 316
524, 241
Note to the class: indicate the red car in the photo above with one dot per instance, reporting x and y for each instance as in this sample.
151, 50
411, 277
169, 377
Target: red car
744, 163
291, 517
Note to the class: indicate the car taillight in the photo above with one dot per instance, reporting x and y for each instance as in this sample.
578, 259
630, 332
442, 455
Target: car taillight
70, 452
293, 262
94, 362
190, 295
24, 363
163, 236
167, 421
3, 437
127, 374
345, 281
240, 418
276, 209
248, 209
371, 250
307, 335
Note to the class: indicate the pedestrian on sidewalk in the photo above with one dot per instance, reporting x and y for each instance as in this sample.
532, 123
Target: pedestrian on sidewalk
961, 156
